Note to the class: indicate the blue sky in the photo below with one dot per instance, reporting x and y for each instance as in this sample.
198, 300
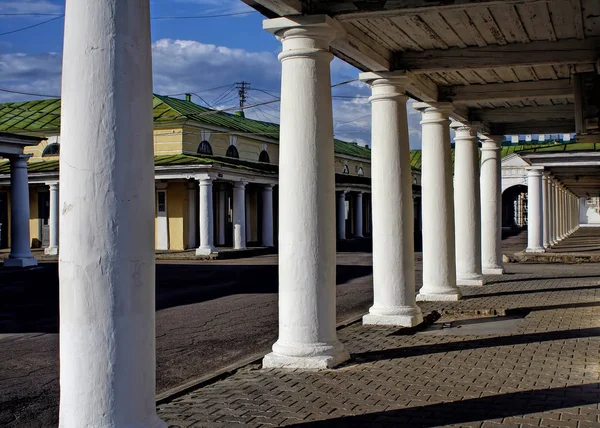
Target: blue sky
189, 55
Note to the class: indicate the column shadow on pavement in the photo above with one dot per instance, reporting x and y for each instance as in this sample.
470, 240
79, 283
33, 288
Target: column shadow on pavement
476, 409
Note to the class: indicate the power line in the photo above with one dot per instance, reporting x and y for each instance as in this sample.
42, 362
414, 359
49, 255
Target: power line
29, 93
200, 90
250, 12
32, 26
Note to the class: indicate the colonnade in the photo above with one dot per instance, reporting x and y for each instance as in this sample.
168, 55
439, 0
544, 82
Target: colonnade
553, 210
107, 348
357, 218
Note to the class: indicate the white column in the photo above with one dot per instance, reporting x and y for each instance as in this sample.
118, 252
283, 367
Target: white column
20, 247
393, 239
307, 307
205, 217
107, 352
192, 230
52, 249
491, 206
341, 214
239, 215
248, 212
439, 260
267, 215
467, 206
557, 221
552, 210
358, 215
162, 219
222, 213
561, 195
545, 210
534, 211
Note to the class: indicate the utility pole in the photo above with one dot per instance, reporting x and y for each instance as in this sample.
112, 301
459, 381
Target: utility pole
242, 88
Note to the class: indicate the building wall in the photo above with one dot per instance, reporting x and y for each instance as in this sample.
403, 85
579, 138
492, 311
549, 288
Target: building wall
353, 166
588, 211
177, 211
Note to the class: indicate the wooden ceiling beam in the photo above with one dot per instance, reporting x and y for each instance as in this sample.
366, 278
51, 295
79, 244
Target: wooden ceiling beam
498, 92
523, 114
569, 51
533, 127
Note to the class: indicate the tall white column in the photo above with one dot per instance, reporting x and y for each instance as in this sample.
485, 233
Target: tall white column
162, 219
545, 210
192, 230
534, 211
393, 239
239, 215
439, 260
552, 210
20, 247
107, 352
205, 217
491, 206
563, 232
267, 215
248, 211
52, 249
341, 215
222, 213
557, 194
467, 206
307, 306
358, 215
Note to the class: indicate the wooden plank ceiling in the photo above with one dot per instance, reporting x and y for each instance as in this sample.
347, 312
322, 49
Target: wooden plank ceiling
457, 44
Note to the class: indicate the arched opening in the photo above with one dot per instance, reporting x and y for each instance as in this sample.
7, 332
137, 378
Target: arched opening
205, 148
346, 170
264, 157
514, 207
232, 152
360, 171
51, 150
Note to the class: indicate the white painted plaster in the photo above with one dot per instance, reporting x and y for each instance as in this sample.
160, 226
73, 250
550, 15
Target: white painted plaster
20, 249
439, 260
205, 211
267, 215
491, 206
545, 210
107, 350
358, 215
307, 306
52, 248
239, 215
467, 206
248, 211
341, 215
534, 212
391, 204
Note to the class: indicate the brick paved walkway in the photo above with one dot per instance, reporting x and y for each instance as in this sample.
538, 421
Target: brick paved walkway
543, 372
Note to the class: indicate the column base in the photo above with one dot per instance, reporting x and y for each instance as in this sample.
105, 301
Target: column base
535, 250
205, 251
451, 295
406, 316
51, 251
474, 281
493, 270
20, 262
316, 357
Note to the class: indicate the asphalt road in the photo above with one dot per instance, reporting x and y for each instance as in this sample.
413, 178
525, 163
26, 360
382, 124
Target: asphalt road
209, 315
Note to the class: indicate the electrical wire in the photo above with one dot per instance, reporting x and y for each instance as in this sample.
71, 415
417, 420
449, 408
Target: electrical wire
32, 26
28, 93
250, 12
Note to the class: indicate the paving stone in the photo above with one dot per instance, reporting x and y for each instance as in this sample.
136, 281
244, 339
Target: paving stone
545, 372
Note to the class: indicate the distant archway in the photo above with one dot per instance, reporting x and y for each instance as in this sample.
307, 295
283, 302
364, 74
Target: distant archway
52, 149
232, 152
264, 157
205, 148
360, 171
514, 207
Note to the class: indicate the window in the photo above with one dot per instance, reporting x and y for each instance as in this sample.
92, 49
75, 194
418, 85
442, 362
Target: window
264, 157
52, 149
205, 148
346, 170
162, 202
360, 171
232, 152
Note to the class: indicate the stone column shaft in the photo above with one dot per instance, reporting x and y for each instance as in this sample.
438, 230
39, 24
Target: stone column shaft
467, 206
248, 212
20, 237
552, 195
239, 215
222, 213
545, 210
107, 200
534, 211
439, 261
267, 215
358, 215
205, 217
393, 239
307, 303
491, 207
341, 215
52, 248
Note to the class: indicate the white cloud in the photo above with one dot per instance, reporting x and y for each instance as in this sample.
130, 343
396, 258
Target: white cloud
219, 6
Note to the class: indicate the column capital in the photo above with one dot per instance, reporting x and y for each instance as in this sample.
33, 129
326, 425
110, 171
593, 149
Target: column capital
534, 171
203, 181
268, 187
491, 142
310, 34
434, 112
20, 160
471, 127
240, 184
386, 85
53, 185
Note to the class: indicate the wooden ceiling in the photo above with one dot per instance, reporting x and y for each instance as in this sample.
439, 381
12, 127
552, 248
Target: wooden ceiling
513, 56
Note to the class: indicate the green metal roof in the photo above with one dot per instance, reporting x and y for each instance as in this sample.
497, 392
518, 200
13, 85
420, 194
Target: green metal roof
569, 147
44, 115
